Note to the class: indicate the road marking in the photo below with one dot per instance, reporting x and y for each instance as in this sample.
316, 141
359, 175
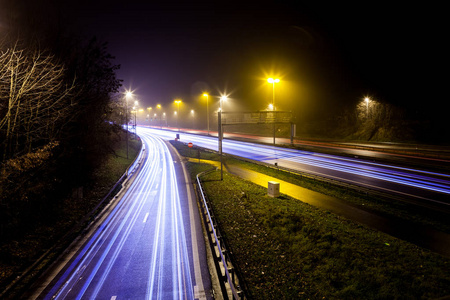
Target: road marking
145, 218
201, 295
199, 288
113, 297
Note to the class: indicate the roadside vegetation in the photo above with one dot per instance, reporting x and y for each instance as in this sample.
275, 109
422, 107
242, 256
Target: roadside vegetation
61, 135
375, 121
286, 249
23, 247
378, 204
361, 199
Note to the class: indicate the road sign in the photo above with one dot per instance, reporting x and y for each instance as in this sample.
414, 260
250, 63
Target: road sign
190, 145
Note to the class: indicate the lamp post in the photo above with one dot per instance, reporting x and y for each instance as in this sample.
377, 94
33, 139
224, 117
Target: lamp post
149, 110
177, 102
207, 110
128, 95
273, 81
158, 106
176, 118
193, 118
220, 134
367, 99
135, 108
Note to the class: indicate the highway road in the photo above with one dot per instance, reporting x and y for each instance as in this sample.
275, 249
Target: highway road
425, 186
149, 246
432, 156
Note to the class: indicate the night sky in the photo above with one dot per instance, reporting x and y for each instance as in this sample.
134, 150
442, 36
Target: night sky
327, 55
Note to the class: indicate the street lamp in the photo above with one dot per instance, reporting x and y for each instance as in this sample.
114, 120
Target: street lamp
220, 134
149, 109
207, 109
273, 81
158, 106
177, 102
176, 118
135, 108
128, 95
367, 99
192, 114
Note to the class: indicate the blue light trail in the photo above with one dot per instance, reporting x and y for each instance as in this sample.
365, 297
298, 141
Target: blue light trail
142, 248
417, 183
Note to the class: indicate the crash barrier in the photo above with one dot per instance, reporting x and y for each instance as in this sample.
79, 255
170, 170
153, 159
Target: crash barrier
228, 278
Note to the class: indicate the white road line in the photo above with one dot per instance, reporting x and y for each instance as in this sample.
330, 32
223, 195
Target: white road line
198, 288
145, 218
113, 297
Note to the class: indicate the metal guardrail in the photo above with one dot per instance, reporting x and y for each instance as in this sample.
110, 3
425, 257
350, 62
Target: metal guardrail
224, 267
316, 177
361, 189
128, 173
320, 178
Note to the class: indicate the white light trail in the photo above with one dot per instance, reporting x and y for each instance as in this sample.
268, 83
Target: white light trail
153, 199
290, 158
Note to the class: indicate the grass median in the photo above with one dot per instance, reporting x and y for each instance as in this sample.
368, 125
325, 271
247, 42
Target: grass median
286, 249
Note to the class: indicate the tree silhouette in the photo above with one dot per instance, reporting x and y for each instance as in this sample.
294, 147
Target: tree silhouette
35, 100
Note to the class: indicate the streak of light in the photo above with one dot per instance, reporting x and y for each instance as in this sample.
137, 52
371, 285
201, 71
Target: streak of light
168, 272
291, 158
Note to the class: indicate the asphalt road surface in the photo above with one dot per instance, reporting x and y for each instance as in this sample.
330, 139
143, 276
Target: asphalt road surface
431, 188
150, 246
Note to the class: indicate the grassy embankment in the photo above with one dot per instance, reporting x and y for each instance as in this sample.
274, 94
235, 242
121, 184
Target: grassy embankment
287, 249
378, 204
24, 250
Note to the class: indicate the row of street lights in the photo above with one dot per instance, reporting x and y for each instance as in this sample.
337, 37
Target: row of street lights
177, 112
158, 106
219, 116
223, 98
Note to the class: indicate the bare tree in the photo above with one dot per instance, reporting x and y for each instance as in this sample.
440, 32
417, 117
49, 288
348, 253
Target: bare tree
34, 99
